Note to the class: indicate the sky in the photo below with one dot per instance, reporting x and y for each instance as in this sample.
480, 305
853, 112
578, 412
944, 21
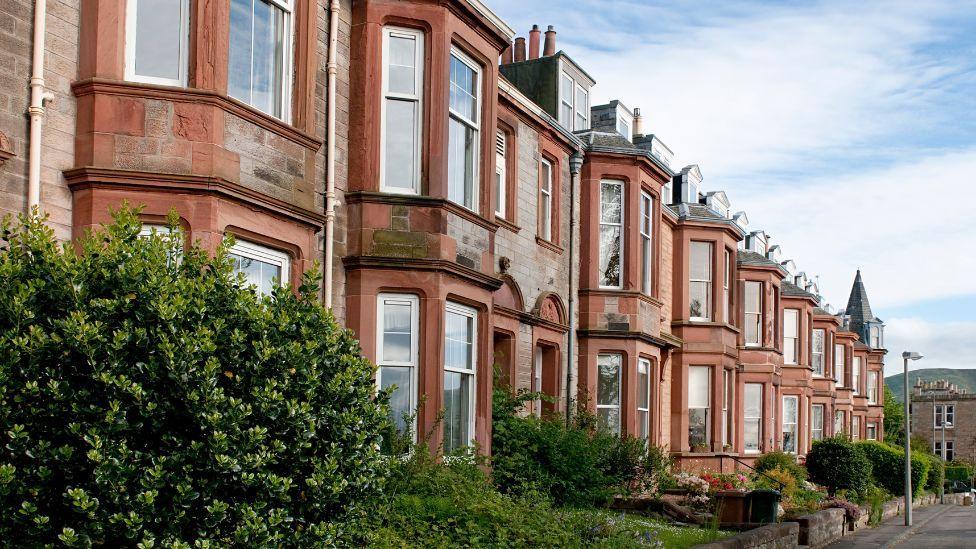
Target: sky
845, 130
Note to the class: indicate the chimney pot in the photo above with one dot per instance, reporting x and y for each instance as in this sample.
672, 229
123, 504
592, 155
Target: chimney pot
507, 55
550, 44
638, 123
519, 49
534, 35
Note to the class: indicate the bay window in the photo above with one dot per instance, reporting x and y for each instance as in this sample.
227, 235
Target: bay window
816, 421
464, 130
791, 410
752, 428
699, 406
817, 351
644, 398
460, 360
263, 268
609, 370
259, 56
397, 353
700, 281
402, 112
646, 219
611, 233
753, 313
157, 41
545, 200
791, 336
839, 373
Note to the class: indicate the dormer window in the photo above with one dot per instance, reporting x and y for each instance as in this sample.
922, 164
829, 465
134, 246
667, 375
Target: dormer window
623, 127
876, 339
574, 104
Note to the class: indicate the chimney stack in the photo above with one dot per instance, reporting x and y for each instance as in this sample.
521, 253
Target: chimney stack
519, 49
550, 44
638, 123
507, 55
534, 36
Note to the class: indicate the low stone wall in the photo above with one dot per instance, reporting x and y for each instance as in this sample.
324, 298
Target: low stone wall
821, 528
784, 535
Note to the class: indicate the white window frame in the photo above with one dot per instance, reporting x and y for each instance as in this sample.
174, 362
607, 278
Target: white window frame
791, 341
265, 254
817, 432
855, 427
471, 313
501, 173
791, 426
753, 419
473, 124
567, 102
726, 287
620, 368
756, 317
621, 121
647, 242
707, 306
620, 225
667, 194
644, 408
840, 364
708, 401
545, 201
944, 413
581, 111
840, 420
537, 360
286, 66
728, 390
871, 431
814, 353
414, 303
873, 387
875, 333
131, 11
417, 98
856, 375
950, 451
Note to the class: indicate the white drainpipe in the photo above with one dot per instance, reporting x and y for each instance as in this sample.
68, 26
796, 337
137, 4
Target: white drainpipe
330, 151
36, 110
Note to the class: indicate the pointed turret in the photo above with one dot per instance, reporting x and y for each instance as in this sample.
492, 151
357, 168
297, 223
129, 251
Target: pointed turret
860, 318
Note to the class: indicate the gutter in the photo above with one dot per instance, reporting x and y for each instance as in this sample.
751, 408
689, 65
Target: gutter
36, 110
330, 201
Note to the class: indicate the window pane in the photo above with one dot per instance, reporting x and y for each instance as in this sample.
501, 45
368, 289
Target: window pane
458, 342
751, 433
158, 36
610, 202
400, 399
239, 73
396, 332
456, 410
462, 143
643, 398
402, 75
698, 386
608, 383
464, 89
753, 402
697, 426
610, 255
608, 420
270, 277
401, 144
257, 54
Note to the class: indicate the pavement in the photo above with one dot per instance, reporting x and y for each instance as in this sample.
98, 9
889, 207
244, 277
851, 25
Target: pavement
935, 526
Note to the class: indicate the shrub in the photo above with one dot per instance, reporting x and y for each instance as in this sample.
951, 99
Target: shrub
781, 460
150, 400
573, 465
888, 465
936, 472
837, 463
876, 497
958, 471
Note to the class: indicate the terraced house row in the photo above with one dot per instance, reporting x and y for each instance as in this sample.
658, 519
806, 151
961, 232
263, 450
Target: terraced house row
479, 219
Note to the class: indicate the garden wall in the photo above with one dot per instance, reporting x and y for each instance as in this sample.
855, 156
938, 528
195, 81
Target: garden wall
772, 536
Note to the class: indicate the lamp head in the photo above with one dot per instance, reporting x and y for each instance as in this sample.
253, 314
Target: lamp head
911, 355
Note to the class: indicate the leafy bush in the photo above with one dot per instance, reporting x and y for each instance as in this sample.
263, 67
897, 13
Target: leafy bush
837, 463
572, 465
147, 397
936, 472
876, 497
888, 466
782, 460
958, 471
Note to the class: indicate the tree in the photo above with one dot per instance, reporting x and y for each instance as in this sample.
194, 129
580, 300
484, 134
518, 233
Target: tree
148, 397
894, 418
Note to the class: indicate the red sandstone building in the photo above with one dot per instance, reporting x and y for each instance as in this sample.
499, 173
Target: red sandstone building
479, 219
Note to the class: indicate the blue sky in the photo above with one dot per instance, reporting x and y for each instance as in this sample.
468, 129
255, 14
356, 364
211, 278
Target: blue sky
846, 130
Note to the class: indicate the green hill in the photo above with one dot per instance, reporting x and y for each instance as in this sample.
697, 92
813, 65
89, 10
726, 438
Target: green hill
964, 379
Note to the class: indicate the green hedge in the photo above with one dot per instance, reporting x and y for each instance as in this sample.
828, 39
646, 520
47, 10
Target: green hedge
149, 398
838, 464
888, 466
958, 471
936, 477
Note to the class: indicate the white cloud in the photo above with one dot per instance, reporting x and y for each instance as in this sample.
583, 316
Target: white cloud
944, 345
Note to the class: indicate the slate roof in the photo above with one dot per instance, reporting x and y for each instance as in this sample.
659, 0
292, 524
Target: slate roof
746, 257
613, 142
787, 288
819, 311
858, 309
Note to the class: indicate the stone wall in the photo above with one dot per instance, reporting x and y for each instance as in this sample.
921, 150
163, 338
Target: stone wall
784, 535
821, 528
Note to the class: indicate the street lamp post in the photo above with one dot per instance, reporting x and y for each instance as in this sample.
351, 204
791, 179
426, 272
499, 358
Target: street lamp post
908, 355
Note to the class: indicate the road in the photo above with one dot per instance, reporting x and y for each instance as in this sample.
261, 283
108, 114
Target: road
934, 527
